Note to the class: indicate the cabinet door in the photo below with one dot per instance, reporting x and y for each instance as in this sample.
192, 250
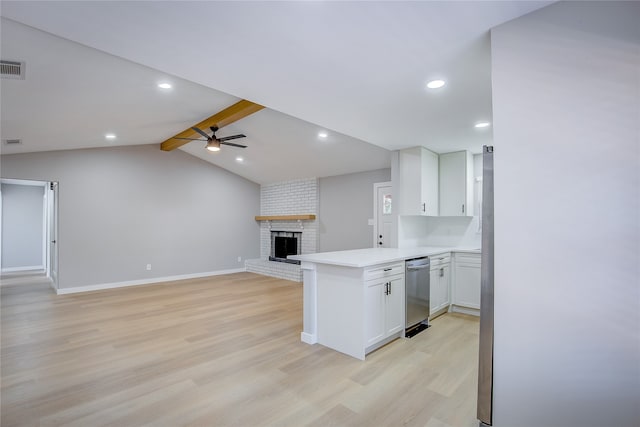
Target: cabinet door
434, 286
374, 311
430, 186
456, 184
418, 182
395, 306
445, 286
410, 174
467, 286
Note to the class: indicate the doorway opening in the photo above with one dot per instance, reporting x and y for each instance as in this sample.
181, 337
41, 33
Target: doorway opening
28, 232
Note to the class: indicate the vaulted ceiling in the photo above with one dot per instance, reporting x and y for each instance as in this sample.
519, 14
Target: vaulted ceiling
354, 69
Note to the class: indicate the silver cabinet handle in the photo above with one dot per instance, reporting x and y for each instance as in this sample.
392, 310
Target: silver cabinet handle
441, 272
387, 269
463, 208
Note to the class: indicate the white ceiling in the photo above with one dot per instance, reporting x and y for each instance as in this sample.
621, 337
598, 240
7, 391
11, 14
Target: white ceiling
73, 95
357, 69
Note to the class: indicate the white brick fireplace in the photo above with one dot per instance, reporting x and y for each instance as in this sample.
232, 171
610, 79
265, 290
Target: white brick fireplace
297, 197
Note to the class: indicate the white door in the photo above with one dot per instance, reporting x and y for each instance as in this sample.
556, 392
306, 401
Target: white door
52, 217
384, 216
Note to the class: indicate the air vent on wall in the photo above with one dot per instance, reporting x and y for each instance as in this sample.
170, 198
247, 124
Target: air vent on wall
12, 141
12, 69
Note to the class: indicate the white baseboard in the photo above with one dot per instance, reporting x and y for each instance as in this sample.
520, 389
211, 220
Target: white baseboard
27, 268
465, 310
151, 280
308, 338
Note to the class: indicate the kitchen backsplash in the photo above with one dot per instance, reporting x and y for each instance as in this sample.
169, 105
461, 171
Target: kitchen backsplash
438, 231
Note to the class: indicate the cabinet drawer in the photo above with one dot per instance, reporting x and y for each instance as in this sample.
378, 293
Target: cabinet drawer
440, 259
386, 270
468, 258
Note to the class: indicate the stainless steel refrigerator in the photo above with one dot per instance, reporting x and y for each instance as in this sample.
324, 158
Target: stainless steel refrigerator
485, 367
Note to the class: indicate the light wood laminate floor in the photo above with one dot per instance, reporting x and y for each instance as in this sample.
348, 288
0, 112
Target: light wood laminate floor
217, 351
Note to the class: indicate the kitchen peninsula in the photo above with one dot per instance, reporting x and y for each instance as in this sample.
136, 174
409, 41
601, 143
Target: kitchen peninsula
354, 301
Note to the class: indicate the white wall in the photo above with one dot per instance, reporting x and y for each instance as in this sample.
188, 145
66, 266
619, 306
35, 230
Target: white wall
346, 205
566, 103
438, 231
22, 227
121, 208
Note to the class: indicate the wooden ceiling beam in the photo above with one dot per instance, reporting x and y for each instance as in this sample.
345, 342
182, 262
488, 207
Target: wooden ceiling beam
237, 111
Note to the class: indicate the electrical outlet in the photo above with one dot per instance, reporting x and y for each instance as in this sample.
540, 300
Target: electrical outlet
148, 267
239, 259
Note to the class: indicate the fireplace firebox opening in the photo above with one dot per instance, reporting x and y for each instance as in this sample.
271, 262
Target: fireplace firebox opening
283, 244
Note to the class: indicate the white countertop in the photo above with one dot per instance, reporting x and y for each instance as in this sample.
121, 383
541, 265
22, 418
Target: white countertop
374, 256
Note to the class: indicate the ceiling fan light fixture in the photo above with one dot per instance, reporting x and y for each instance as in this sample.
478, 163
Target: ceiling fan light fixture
213, 145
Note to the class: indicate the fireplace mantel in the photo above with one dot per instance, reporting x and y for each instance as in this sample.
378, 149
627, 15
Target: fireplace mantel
307, 217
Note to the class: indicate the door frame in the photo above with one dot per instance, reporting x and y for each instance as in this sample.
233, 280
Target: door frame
52, 233
48, 209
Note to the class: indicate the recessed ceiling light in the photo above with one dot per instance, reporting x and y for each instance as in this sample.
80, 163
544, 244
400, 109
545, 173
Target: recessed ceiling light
323, 135
239, 159
110, 136
435, 84
164, 86
482, 125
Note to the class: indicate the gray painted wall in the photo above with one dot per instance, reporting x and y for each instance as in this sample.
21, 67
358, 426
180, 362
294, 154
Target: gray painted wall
346, 204
121, 208
566, 108
22, 226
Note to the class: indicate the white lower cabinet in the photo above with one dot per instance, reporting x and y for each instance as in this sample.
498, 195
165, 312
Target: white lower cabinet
384, 309
359, 309
440, 283
466, 289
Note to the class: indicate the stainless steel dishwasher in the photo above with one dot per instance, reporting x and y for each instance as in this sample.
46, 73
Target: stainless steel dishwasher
417, 288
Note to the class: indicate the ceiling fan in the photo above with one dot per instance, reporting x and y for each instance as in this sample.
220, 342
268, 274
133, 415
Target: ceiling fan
213, 143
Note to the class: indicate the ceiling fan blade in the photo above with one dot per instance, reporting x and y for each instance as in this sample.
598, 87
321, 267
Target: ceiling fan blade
227, 138
233, 145
190, 139
201, 132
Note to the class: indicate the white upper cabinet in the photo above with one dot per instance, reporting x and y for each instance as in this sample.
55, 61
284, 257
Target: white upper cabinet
456, 184
418, 186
